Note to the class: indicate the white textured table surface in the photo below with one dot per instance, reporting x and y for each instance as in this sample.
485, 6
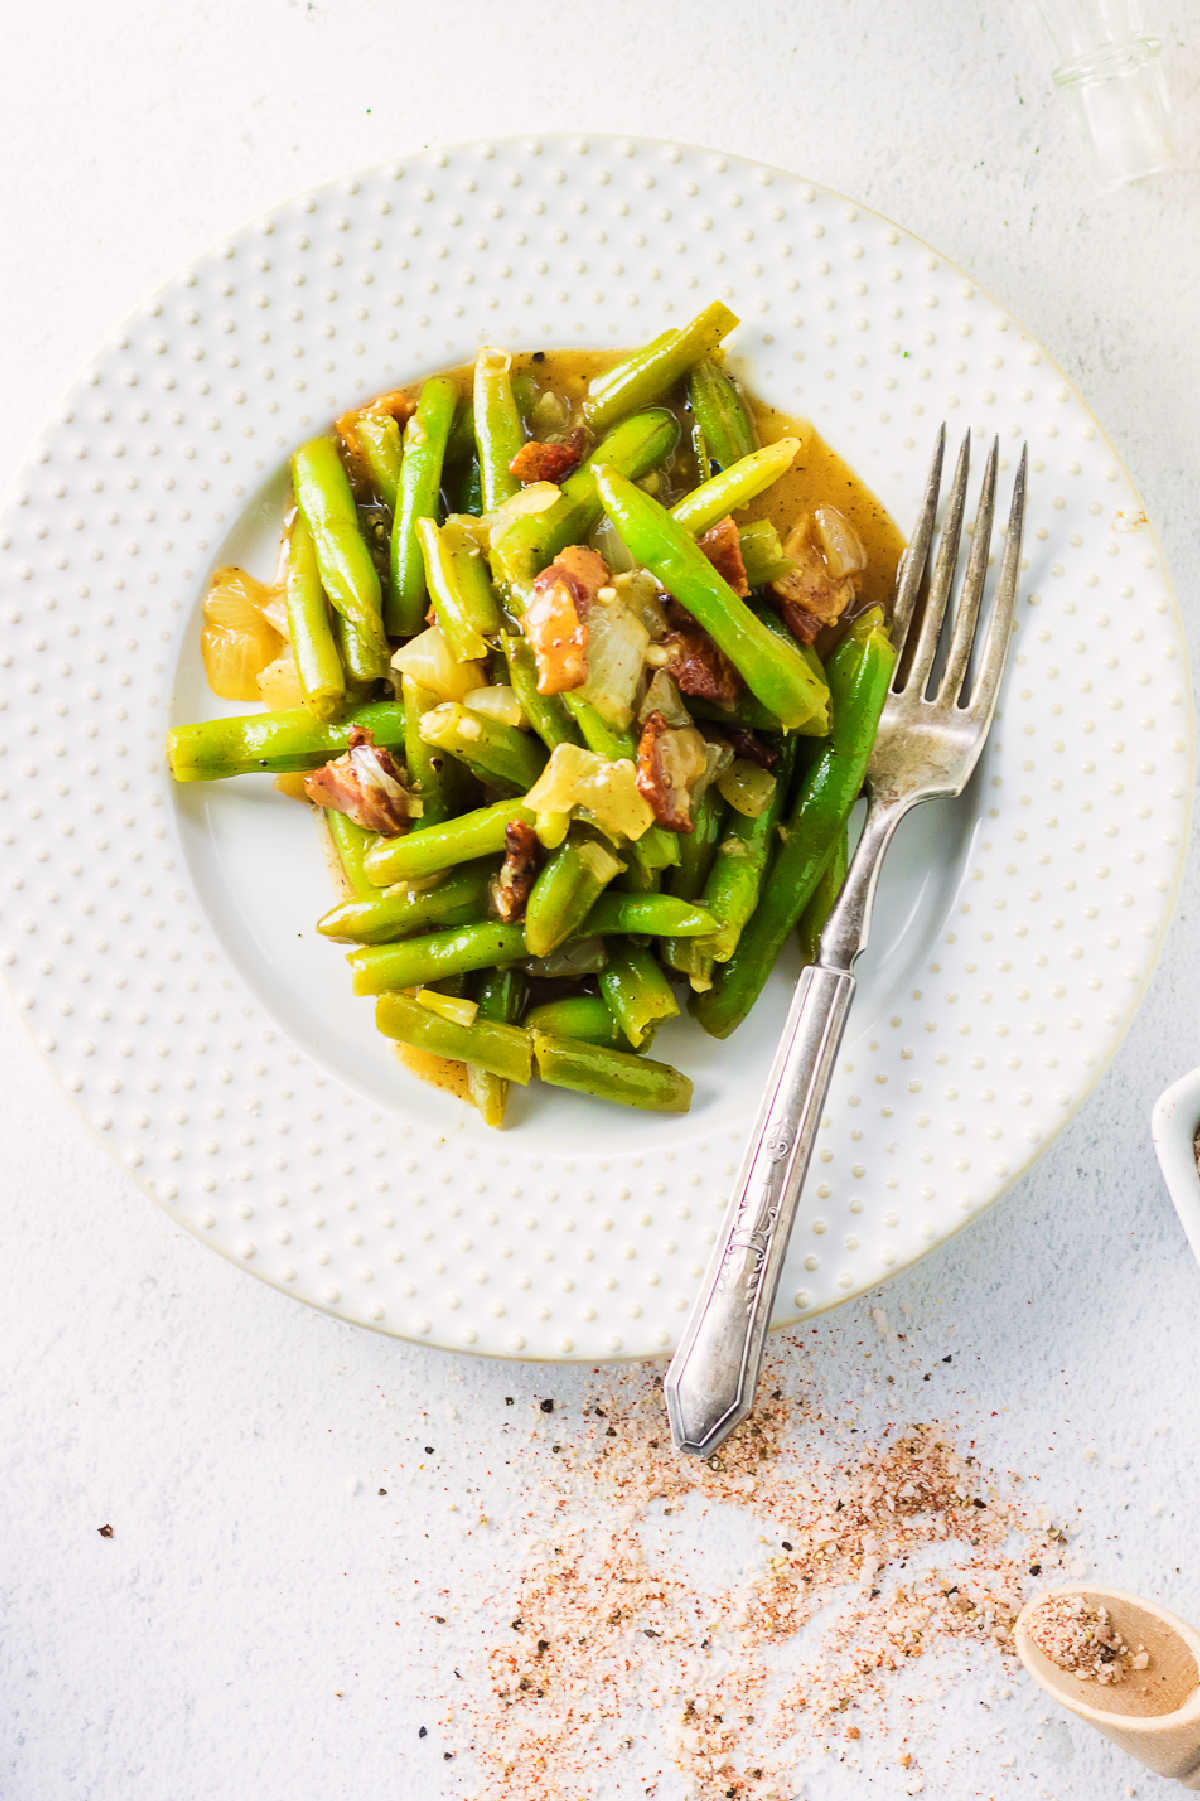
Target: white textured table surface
259, 1621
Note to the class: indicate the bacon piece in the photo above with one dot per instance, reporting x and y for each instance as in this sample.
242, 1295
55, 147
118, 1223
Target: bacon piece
365, 784
828, 560
555, 619
518, 872
540, 462
696, 665
670, 760
723, 548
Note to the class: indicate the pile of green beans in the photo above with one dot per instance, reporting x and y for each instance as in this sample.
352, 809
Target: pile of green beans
412, 518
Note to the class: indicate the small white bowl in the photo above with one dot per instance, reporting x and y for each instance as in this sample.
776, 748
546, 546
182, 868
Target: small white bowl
1174, 1125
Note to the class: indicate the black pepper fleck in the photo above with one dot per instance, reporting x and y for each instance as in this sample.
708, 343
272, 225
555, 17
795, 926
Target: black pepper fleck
547, 1406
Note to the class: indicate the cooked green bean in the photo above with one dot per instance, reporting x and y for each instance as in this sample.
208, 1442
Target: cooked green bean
645, 376
506, 1051
720, 414
734, 487
461, 590
392, 913
546, 713
634, 447
460, 441
736, 877
351, 844
501, 754
359, 658
468, 490
656, 915
762, 553
777, 676
583, 1016
860, 672
310, 631
377, 439
820, 906
637, 993
428, 774
347, 569
432, 848
499, 432
697, 847
611, 1075
577, 957
420, 481
274, 743
415, 962
500, 994
565, 891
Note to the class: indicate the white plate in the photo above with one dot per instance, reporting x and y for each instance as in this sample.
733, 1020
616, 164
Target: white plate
160, 942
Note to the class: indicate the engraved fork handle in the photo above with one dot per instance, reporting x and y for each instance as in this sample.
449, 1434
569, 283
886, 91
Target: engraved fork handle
712, 1377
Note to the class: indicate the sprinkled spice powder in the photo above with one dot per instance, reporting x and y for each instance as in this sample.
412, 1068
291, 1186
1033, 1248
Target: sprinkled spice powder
717, 1653
1078, 1635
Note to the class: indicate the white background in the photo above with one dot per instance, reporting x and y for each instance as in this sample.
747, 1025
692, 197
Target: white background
237, 1442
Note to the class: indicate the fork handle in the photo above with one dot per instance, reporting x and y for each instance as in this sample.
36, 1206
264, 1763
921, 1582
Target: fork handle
711, 1381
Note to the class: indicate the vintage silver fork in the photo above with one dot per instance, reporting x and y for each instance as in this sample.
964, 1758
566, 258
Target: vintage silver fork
931, 732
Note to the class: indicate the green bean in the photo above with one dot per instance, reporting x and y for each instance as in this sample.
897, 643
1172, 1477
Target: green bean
696, 852
606, 740
415, 962
736, 877
697, 847
584, 1016
545, 712
646, 375
747, 712
611, 1075
310, 631
733, 487
468, 490
565, 891
637, 993
426, 772
350, 841
377, 440
458, 583
762, 553
577, 957
860, 672
420, 482
436, 847
460, 441
820, 906
506, 1051
500, 994
348, 573
497, 753
657, 849
656, 915
778, 677
525, 394
358, 658
398, 912
274, 743
634, 447
721, 417
499, 433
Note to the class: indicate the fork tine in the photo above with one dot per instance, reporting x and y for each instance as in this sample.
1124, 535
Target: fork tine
943, 576
966, 615
912, 564
994, 654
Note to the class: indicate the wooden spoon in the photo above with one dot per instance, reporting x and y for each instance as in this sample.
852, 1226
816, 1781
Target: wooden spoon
1154, 1714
